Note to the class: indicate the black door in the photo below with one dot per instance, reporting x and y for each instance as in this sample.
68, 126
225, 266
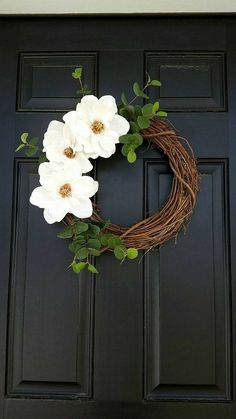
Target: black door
142, 340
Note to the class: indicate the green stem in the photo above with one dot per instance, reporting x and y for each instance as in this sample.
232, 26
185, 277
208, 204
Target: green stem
144, 88
82, 87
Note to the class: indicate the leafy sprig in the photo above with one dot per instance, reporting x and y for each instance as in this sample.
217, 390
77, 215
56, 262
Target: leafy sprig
89, 240
77, 75
139, 117
31, 147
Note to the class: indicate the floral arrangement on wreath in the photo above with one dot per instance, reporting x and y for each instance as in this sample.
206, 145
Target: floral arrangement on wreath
91, 131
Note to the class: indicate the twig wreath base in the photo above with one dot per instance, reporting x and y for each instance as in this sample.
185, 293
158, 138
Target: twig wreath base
166, 224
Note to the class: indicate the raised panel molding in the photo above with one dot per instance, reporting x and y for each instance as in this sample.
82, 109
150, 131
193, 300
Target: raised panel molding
50, 340
45, 82
187, 311
191, 81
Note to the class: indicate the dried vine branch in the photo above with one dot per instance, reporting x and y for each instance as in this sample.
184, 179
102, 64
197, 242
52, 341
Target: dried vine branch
166, 224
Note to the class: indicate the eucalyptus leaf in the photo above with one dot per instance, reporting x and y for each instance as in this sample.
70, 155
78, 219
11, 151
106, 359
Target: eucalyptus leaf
93, 230
93, 252
67, 233
24, 137
137, 139
19, 147
92, 268
104, 239
114, 241
147, 109
137, 89
131, 157
123, 99
34, 141
80, 227
75, 246
77, 73
125, 149
144, 95
78, 267
134, 127
137, 110
155, 107
120, 252
143, 122
155, 83
161, 113
124, 139
82, 253
31, 151
132, 253
94, 243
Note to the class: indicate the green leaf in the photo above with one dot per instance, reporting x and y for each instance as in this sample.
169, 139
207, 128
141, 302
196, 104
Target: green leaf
124, 139
137, 89
42, 158
24, 137
120, 252
67, 233
142, 94
82, 253
155, 83
105, 224
137, 139
161, 113
155, 107
77, 267
123, 99
104, 239
132, 253
87, 92
143, 122
114, 241
127, 112
133, 127
148, 77
34, 141
92, 269
94, 244
80, 227
131, 157
137, 110
147, 109
75, 246
77, 73
19, 147
31, 151
94, 252
125, 149
93, 230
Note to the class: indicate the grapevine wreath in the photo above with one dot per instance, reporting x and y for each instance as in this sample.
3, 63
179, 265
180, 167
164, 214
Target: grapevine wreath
92, 131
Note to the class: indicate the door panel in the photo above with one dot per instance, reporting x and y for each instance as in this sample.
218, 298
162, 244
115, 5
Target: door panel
146, 339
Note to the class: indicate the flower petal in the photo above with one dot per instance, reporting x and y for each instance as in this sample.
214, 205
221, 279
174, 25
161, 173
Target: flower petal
85, 186
40, 197
120, 125
82, 207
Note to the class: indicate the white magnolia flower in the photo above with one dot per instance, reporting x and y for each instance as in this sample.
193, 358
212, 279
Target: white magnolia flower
96, 125
61, 147
62, 193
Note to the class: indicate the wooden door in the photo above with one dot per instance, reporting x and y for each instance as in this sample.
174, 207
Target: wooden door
142, 340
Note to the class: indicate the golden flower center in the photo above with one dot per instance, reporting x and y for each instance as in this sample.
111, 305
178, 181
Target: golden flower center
69, 152
65, 190
97, 127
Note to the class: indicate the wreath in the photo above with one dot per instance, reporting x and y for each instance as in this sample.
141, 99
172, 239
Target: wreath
93, 130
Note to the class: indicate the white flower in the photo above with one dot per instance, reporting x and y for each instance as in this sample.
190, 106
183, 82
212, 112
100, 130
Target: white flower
96, 125
62, 193
61, 147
